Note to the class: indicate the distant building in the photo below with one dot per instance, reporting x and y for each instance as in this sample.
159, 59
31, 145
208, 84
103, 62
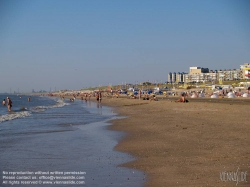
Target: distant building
180, 77
200, 74
176, 77
211, 76
198, 70
170, 77
236, 74
245, 71
229, 74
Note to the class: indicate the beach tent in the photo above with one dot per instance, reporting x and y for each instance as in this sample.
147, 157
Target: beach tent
201, 95
246, 95
194, 96
215, 95
231, 95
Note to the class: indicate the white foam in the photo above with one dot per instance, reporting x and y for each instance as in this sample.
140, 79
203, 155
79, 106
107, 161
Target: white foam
23, 114
14, 115
59, 104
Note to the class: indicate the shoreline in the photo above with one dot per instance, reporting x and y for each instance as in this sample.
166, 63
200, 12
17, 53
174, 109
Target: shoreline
71, 141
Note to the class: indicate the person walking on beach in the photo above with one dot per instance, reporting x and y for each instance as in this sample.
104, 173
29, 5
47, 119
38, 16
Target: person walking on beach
97, 96
86, 96
4, 102
100, 96
139, 94
111, 91
9, 104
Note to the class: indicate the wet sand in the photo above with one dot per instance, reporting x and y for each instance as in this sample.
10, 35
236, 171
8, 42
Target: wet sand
185, 144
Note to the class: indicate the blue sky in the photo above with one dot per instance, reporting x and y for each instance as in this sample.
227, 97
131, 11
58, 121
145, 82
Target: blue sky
74, 44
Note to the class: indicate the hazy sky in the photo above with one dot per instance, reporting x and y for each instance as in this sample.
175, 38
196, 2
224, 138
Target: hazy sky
74, 44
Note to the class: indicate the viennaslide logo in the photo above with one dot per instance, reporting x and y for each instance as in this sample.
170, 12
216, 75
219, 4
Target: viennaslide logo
233, 176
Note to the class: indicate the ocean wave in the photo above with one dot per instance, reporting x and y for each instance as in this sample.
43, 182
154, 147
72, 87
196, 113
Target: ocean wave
14, 115
60, 103
37, 109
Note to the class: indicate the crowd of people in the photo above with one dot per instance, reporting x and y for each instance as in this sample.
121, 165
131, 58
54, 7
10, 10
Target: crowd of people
99, 94
151, 97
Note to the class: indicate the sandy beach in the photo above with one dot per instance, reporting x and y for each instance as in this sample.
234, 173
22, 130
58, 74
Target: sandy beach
199, 143
185, 144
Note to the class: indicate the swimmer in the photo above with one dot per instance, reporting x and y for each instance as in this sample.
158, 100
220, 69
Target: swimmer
4, 102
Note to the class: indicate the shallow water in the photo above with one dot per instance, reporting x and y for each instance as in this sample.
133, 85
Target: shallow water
65, 136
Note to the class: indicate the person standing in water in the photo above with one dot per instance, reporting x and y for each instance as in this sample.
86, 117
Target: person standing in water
9, 104
4, 102
29, 99
100, 96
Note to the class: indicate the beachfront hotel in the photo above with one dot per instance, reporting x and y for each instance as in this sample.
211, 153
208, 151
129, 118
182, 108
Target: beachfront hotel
200, 74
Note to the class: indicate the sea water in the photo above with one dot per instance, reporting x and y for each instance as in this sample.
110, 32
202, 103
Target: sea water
50, 135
